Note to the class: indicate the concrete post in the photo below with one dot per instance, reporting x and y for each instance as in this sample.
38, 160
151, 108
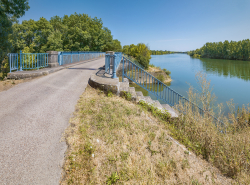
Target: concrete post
52, 58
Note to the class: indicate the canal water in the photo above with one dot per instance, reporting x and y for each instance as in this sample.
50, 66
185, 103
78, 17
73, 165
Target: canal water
230, 79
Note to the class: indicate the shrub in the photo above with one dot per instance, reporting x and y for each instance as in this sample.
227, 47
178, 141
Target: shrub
167, 71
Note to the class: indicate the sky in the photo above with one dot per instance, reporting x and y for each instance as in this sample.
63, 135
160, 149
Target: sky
174, 25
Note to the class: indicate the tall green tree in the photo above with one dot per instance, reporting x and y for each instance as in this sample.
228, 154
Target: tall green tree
9, 12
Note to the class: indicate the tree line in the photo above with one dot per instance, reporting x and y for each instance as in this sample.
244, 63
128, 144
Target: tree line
160, 52
224, 50
77, 32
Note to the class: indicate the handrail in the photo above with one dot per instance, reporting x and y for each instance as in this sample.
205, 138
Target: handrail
113, 60
154, 86
67, 57
20, 61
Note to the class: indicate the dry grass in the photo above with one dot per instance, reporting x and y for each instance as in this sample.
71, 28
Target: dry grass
7, 84
227, 145
113, 141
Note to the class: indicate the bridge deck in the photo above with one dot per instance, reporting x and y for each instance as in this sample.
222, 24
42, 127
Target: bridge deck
33, 116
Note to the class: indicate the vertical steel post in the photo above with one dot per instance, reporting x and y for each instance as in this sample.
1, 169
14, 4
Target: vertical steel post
122, 69
114, 67
21, 69
9, 55
71, 57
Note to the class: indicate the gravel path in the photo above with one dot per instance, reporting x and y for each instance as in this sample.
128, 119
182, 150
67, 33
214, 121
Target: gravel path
33, 116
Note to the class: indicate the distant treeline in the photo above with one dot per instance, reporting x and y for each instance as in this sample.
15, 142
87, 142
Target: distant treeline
160, 52
224, 50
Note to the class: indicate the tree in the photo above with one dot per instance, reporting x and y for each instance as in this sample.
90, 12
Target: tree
140, 52
9, 12
77, 32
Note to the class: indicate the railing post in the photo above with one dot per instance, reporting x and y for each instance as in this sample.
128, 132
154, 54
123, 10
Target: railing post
122, 69
9, 55
114, 67
21, 69
71, 57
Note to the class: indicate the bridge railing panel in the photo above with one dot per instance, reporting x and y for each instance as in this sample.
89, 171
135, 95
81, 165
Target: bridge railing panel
21, 61
77, 56
160, 90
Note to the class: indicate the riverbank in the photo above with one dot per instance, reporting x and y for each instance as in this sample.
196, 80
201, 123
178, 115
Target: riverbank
161, 74
112, 140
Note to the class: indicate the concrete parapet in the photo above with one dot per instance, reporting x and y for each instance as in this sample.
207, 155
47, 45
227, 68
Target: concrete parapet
52, 59
32, 74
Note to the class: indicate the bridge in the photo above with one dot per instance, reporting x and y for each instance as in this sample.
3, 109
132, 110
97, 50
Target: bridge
35, 114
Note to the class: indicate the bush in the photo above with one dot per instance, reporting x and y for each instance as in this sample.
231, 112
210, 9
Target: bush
144, 61
161, 77
167, 71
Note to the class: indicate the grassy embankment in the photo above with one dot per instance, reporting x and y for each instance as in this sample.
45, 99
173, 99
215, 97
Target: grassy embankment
114, 141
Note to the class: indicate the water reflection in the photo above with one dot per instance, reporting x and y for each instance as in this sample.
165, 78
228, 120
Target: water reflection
227, 68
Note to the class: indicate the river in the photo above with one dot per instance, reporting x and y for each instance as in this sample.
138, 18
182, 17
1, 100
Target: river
230, 79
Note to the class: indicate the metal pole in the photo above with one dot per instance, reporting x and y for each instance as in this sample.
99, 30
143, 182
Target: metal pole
21, 69
114, 67
122, 69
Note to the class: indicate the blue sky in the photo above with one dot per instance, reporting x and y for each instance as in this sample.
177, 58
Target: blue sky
176, 25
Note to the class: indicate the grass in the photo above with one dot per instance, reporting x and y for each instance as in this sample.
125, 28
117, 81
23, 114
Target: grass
229, 150
114, 141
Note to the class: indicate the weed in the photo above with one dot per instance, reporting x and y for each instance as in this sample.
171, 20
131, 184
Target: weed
184, 164
110, 94
124, 156
195, 182
186, 152
113, 178
152, 136
127, 96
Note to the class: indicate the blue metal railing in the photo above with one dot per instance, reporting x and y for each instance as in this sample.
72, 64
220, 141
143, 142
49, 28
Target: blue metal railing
33, 60
159, 89
112, 63
76, 56
13, 61
20, 61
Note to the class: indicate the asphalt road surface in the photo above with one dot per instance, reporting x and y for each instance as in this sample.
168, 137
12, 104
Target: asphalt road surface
33, 117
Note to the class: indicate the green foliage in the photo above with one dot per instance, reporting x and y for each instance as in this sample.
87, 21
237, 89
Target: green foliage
9, 12
161, 77
113, 178
164, 115
160, 52
167, 71
140, 52
110, 94
144, 61
127, 96
77, 32
224, 50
